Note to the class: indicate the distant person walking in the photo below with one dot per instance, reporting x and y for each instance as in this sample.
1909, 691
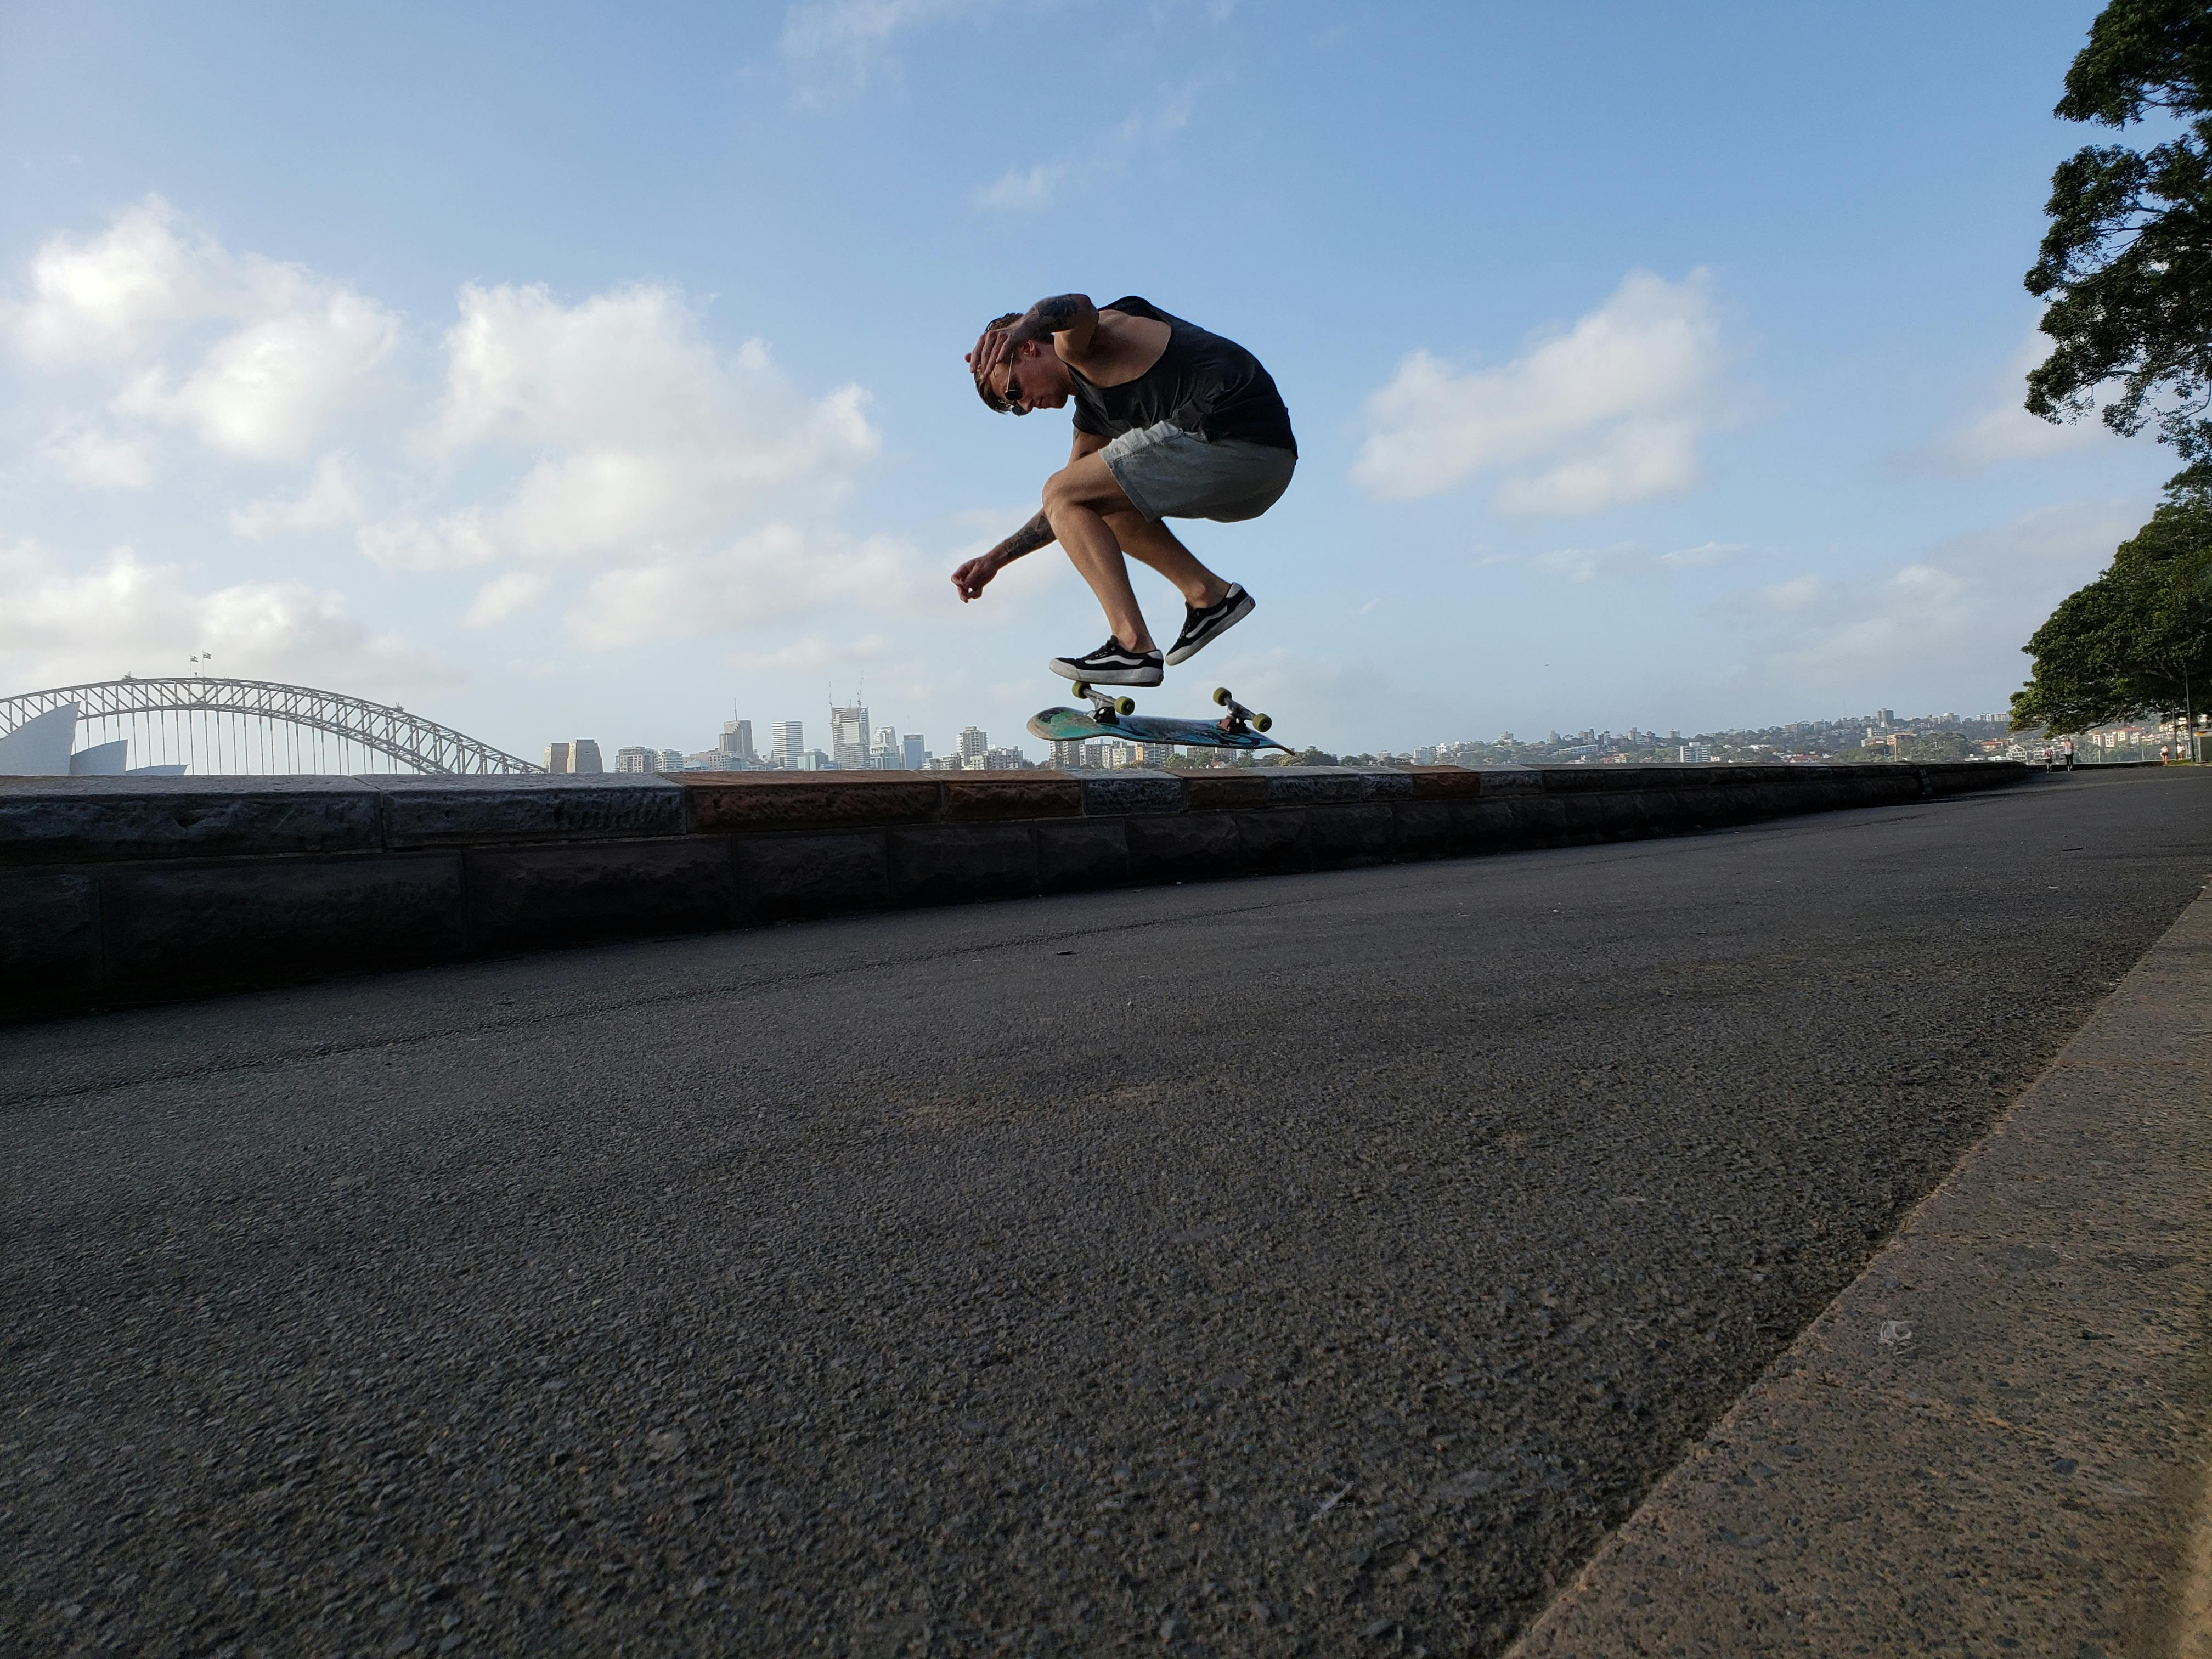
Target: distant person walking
1170, 422
2069, 754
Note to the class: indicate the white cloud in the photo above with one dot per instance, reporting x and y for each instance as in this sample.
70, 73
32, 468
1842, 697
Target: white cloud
639, 436
90, 456
502, 596
1608, 411
1798, 593
331, 499
832, 47
122, 615
695, 488
774, 572
1705, 553
2003, 430
691, 487
1958, 612
812, 655
109, 295
254, 356
1024, 189
1583, 564
1032, 189
453, 542
270, 390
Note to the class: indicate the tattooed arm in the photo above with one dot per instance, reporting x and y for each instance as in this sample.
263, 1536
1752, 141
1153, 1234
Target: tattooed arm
973, 576
1069, 315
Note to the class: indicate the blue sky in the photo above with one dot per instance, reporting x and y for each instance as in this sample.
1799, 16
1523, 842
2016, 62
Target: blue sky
567, 371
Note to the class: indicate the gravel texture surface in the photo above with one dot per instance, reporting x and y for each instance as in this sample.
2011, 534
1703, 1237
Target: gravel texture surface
1280, 1266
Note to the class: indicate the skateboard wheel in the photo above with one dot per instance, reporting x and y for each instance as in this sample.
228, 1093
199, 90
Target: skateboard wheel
1262, 722
1125, 705
1221, 696
1079, 687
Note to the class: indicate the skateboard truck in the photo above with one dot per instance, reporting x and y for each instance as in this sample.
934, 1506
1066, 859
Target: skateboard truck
1239, 718
1108, 709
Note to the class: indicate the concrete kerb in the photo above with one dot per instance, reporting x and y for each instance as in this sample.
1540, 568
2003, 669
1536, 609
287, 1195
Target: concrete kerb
1995, 1438
121, 890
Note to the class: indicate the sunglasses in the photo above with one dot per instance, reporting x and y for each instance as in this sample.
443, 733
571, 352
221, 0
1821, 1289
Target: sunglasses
1016, 400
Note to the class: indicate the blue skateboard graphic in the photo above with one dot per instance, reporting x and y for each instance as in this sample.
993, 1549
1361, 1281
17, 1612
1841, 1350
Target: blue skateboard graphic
1115, 716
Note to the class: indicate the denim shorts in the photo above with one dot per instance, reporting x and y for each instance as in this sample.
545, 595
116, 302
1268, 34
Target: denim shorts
1168, 473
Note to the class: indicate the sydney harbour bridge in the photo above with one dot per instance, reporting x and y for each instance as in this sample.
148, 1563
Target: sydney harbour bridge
203, 724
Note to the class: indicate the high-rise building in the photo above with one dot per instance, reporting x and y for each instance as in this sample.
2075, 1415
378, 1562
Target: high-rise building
672, 760
883, 754
584, 756
1067, 751
636, 757
974, 746
915, 755
556, 757
737, 742
786, 742
1004, 760
849, 738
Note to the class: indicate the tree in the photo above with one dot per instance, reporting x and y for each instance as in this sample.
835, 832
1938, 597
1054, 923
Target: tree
2138, 640
1936, 746
2127, 262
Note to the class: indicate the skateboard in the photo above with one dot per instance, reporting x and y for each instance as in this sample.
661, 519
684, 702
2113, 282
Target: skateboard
1115, 716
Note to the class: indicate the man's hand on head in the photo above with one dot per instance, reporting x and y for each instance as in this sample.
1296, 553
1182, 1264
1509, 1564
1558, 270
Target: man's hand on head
1069, 314
993, 347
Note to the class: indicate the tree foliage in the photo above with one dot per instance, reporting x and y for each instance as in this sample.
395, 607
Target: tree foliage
2138, 640
2126, 265
1936, 746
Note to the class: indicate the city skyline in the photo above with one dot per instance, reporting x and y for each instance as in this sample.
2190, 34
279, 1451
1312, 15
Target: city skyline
1805, 738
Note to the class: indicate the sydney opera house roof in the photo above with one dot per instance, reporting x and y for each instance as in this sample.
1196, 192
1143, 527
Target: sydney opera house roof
39, 748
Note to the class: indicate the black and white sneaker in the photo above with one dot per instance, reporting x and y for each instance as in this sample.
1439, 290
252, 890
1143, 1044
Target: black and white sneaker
1202, 628
1111, 664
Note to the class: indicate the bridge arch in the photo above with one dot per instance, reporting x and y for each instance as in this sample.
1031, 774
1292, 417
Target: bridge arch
257, 713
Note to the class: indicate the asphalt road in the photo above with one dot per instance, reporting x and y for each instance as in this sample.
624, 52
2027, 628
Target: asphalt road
1251, 1267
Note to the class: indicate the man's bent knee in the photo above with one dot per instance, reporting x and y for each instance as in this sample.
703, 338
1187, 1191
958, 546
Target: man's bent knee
1062, 491
1084, 483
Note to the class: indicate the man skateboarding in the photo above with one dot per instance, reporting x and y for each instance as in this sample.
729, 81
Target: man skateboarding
1170, 422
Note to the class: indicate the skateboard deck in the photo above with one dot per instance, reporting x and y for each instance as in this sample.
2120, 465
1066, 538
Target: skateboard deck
1062, 724
1111, 715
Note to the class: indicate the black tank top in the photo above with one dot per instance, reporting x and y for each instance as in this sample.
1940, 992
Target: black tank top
1203, 383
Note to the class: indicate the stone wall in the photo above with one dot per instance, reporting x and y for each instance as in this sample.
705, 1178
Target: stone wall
124, 889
